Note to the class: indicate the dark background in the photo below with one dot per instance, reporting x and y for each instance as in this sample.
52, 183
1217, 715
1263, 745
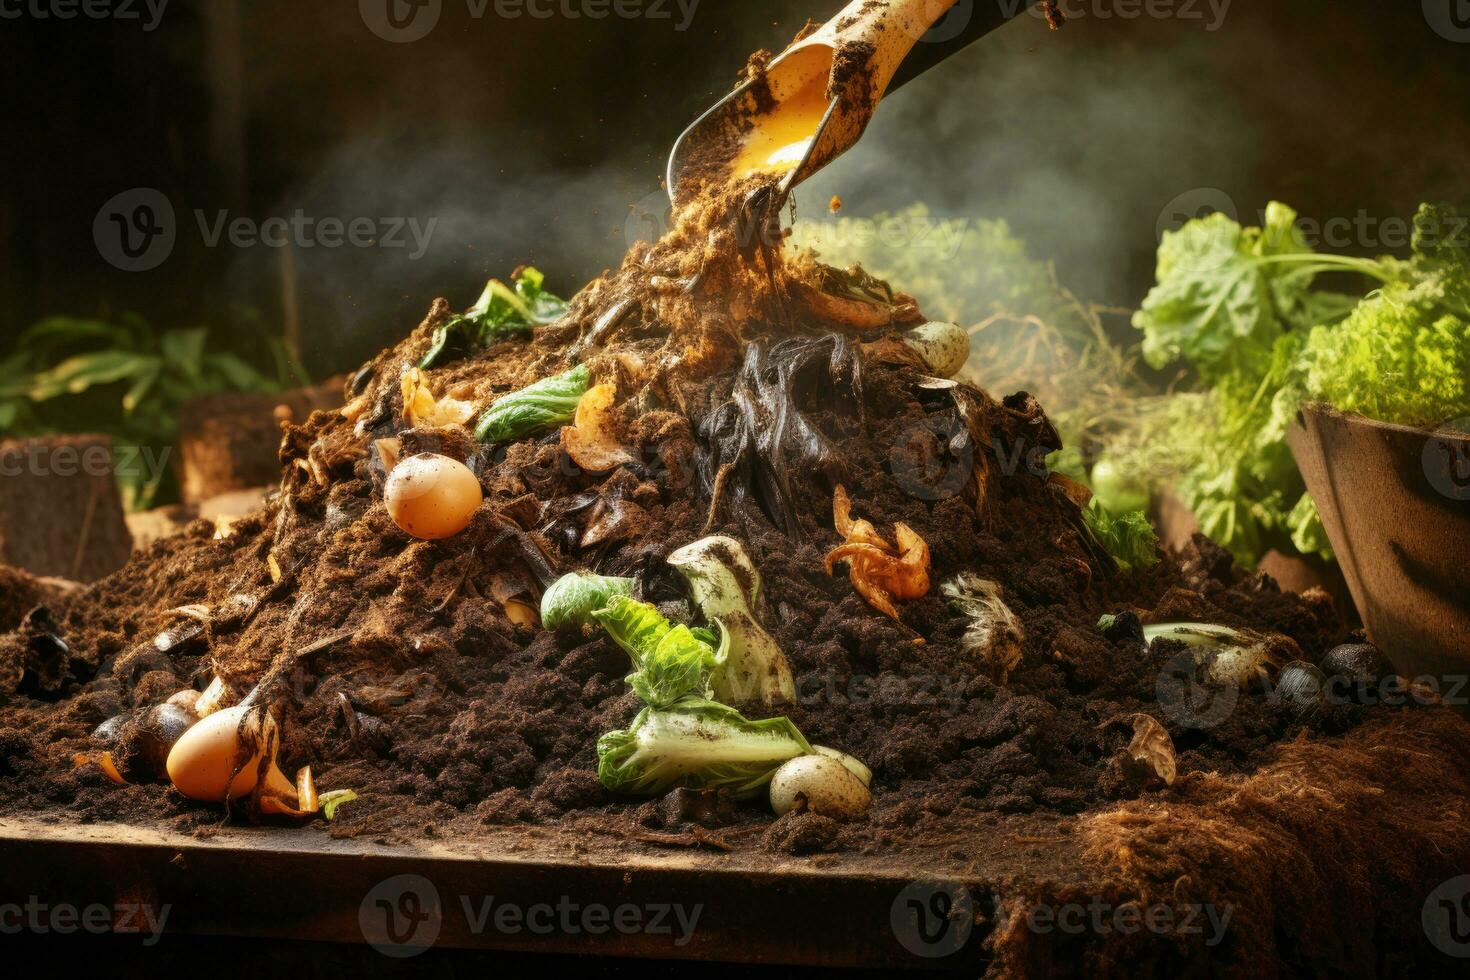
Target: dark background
528, 139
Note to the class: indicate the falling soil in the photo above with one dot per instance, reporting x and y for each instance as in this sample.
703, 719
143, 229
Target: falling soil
445, 714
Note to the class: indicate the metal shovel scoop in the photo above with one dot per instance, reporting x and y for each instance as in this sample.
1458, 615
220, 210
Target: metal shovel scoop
815, 99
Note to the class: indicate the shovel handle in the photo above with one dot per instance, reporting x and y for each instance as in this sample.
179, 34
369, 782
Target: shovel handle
984, 16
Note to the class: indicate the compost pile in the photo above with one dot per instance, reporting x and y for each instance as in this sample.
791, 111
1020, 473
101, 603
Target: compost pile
725, 388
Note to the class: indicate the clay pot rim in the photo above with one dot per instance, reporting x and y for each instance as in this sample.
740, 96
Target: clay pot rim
1325, 411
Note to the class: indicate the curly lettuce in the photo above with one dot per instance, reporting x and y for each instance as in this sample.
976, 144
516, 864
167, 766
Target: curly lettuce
1128, 537
1240, 308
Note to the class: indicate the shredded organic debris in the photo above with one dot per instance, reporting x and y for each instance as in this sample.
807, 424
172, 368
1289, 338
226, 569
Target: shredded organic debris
569, 562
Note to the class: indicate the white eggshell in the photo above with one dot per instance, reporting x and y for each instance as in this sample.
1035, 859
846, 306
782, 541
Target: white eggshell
945, 347
823, 783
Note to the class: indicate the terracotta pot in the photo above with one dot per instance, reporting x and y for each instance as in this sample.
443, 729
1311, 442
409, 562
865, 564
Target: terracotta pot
1396, 503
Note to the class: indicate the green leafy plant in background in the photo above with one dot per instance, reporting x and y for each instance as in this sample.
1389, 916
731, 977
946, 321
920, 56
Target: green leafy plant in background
125, 379
1241, 311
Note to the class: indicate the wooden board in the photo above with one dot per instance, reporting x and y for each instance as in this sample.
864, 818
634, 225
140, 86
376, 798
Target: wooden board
564, 893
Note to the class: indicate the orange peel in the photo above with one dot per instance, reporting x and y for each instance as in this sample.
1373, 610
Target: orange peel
592, 441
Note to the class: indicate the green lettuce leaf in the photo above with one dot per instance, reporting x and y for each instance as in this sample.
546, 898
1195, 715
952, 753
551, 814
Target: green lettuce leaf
551, 401
669, 662
574, 598
696, 743
1129, 537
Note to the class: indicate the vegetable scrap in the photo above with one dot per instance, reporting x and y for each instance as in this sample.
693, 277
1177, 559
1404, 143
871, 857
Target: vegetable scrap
881, 572
534, 408
501, 311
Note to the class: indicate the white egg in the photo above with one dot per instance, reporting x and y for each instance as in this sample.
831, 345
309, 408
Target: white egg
945, 347
823, 784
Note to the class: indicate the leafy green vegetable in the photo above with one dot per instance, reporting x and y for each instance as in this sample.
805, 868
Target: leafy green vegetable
551, 401
500, 312
1404, 354
697, 743
669, 661
1129, 537
574, 598
635, 626
1226, 294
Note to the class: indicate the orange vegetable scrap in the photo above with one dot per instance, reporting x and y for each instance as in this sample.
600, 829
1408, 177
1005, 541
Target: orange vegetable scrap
881, 572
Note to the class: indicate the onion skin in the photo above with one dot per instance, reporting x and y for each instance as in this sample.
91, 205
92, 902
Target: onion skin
203, 758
